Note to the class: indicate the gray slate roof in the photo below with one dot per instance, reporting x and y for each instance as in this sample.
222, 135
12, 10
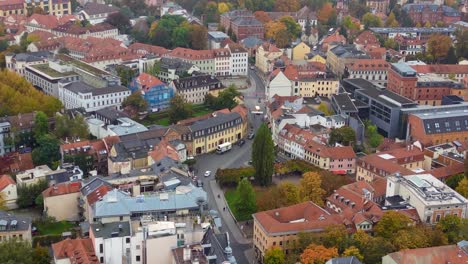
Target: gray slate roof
108, 230
13, 222
94, 8
117, 203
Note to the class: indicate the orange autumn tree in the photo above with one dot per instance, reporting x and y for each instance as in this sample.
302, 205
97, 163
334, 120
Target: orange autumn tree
325, 13
272, 28
318, 254
262, 16
287, 5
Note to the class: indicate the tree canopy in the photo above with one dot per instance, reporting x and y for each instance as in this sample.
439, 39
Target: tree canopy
263, 155
343, 135
14, 251
179, 109
246, 202
274, 255
18, 96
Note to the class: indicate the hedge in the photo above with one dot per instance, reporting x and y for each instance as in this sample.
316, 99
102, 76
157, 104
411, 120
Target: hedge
231, 177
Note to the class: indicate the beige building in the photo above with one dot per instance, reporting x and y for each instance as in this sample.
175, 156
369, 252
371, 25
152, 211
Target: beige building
14, 227
279, 227
405, 161
61, 201
8, 191
339, 56
23, 7
299, 52
322, 86
266, 54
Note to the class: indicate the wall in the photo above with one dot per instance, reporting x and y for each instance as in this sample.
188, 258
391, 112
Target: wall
10, 196
63, 207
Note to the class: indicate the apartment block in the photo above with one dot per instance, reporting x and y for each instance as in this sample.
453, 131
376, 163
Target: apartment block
24, 7
194, 89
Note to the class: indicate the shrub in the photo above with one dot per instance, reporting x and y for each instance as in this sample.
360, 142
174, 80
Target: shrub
231, 177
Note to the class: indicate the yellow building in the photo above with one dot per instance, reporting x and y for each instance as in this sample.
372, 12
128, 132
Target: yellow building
317, 58
61, 201
266, 54
299, 52
310, 87
22, 7
221, 127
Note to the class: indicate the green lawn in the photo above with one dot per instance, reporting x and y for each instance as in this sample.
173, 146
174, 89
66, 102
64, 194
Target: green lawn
162, 118
231, 197
54, 228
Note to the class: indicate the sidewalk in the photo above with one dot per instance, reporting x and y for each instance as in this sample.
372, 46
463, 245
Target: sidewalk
228, 219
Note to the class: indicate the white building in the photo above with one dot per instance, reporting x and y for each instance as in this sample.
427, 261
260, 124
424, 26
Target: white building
18, 62
430, 197
8, 191
222, 61
239, 60
112, 242
374, 71
96, 13
79, 94
278, 84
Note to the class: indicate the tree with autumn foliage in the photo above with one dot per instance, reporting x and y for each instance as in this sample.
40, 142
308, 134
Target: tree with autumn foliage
262, 16
391, 21
353, 251
311, 189
438, 46
287, 5
198, 37
272, 28
318, 254
325, 13
390, 223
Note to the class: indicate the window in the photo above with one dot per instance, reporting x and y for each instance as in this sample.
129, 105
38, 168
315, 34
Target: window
127, 240
101, 249
101, 259
137, 258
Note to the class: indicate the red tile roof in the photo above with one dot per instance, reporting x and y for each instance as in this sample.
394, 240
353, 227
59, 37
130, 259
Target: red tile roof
334, 38
270, 47
291, 73
376, 52
78, 251
75, 145
367, 38
144, 49
62, 189
163, 150
445, 172
190, 54
441, 68
432, 255
5, 181
97, 194
46, 21
147, 81
368, 65
289, 219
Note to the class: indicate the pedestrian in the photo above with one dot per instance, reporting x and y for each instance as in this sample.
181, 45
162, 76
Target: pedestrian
224, 208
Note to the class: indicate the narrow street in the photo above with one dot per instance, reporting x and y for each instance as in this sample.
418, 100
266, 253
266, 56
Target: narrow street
236, 157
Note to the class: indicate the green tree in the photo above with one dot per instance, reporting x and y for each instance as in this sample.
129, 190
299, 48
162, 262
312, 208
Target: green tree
179, 109
336, 236
263, 155
13, 251
311, 189
390, 223
136, 102
323, 107
180, 37
453, 181
344, 135
274, 255
292, 26
126, 74
451, 57
462, 187
47, 151
41, 125
372, 135
120, 21
391, 21
375, 249
246, 198
227, 98
41, 255
27, 194
454, 227
288, 194
71, 128
82, 160
370, 20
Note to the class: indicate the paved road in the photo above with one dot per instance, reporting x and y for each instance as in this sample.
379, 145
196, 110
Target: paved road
238, 156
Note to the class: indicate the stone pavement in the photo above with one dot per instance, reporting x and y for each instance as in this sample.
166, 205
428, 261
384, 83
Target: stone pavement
226, 216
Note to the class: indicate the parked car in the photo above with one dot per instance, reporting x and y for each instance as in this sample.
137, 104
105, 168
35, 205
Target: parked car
252, 67
240, 142
207, 173
250, 162
251, 135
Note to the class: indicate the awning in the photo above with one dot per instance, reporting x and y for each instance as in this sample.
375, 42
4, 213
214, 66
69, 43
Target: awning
339, 172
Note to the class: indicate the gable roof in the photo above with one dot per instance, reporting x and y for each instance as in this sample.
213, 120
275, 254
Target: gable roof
62, 189
92, 8
5, 181
432, 255
78, 251
147, 81
367, 38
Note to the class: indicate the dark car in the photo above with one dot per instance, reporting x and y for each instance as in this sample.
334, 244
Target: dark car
251, 136
241, 142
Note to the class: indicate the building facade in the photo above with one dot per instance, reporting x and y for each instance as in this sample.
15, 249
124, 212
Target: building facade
374, 71
155, 92
61, 201
242, 23
194, 89
24, 7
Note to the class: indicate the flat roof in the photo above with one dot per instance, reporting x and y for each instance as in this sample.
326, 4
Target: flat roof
412, 30
344, 102
44, 68
403, 67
